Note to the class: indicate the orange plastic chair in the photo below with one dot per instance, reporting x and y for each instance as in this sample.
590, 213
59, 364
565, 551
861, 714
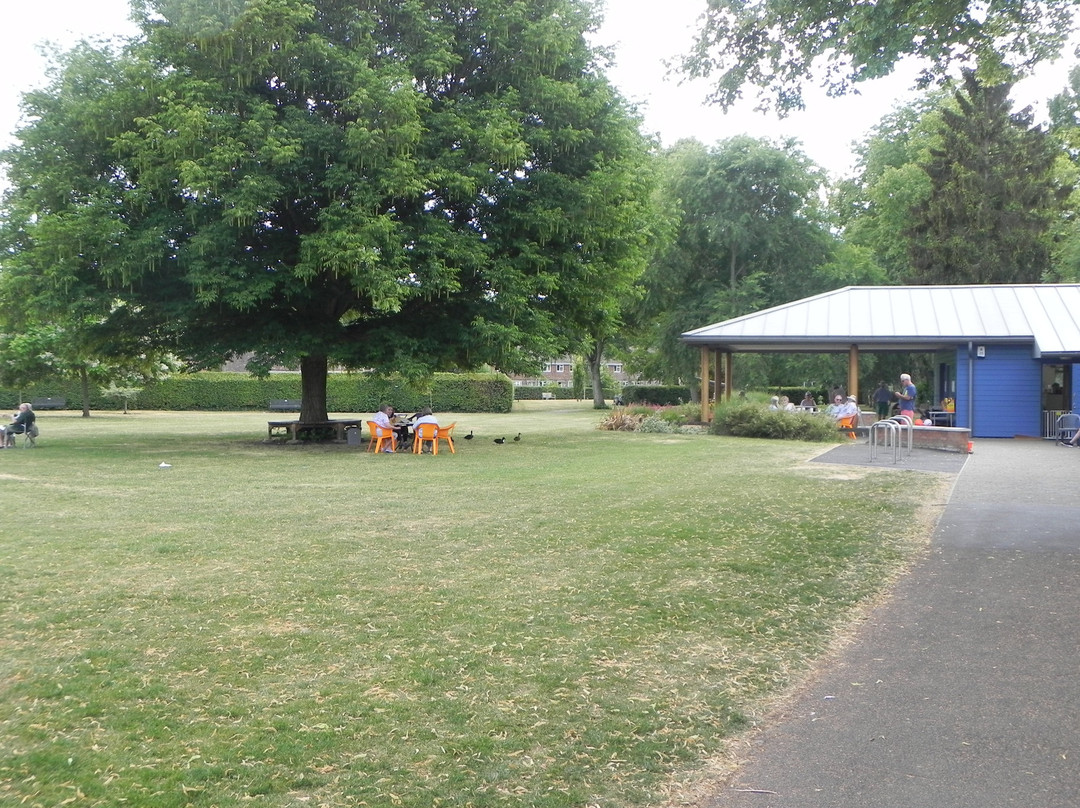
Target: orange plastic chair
425, 432
446, 433
377, 440
847, 424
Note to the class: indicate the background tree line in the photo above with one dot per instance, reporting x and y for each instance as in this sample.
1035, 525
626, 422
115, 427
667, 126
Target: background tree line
428, 186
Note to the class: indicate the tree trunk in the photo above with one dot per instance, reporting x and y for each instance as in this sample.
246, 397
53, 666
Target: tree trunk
84, 387
594, 359
313, 389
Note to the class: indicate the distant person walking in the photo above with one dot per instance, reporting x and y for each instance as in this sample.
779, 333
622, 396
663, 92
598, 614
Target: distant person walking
882, 400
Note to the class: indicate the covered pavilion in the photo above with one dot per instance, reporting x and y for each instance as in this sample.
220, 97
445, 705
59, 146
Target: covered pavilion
1006, 354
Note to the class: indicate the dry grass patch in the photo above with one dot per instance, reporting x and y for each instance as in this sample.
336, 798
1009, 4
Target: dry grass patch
574, 619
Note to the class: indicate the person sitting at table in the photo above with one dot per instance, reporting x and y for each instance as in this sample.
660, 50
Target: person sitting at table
424, 417
836, 406
846, 409
808, 401
20, 422
401, 424
384, 424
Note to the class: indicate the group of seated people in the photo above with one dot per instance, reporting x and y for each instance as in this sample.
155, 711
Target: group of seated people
21, 421
402, 426
842, 407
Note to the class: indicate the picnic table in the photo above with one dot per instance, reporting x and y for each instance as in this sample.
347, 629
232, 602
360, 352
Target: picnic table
293, 429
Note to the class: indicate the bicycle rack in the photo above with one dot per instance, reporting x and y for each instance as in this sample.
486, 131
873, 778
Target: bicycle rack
892, 431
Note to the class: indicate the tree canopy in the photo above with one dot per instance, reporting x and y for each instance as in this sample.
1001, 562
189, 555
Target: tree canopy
993, 196
748, 233
778, 46
402, 185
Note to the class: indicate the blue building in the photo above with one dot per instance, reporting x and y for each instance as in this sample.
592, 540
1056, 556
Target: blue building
1007, 354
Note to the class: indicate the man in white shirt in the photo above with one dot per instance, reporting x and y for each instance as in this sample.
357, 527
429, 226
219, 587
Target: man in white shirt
382, 422
423, 417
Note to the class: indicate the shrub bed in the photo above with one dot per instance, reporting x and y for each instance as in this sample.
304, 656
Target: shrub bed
753, 421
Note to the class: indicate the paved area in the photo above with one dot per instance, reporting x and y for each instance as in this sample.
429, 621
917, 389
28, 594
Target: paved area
963, 689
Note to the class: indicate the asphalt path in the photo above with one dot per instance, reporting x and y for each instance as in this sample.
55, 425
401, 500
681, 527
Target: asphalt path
961, 690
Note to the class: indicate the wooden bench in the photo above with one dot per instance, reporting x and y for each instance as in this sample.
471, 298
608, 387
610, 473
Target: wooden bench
292, 430
49, 403
284, 405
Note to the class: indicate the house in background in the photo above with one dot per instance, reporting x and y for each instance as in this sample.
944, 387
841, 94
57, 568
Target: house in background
1009, 355
560, 372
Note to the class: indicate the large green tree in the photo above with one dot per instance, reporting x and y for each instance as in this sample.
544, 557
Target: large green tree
749, 232
1064, 111
777, 46
404, 185
875, 206
994, 194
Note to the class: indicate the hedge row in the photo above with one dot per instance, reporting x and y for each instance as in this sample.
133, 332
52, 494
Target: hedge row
345, 392
560, 393
656, 395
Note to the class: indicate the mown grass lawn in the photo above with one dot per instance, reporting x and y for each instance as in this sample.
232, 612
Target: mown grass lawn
580, 618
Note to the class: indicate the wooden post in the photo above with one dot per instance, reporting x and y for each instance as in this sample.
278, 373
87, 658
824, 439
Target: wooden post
705, 409
718, 379
853, 372
729, 376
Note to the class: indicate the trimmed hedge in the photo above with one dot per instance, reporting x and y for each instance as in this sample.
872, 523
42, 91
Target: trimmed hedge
522, 393
345, 392
656, 395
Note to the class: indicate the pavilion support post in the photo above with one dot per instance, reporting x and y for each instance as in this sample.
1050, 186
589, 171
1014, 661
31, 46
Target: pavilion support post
718, 377
705, 365
729, 376
853, 372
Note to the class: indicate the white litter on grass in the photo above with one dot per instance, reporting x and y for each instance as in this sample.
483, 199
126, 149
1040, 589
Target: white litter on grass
164, 465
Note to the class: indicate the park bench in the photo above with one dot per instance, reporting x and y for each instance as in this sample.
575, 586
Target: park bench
49, 403
284, 405
547, 396
297, 431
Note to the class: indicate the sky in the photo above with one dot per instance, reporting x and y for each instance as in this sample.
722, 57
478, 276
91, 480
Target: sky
644, 39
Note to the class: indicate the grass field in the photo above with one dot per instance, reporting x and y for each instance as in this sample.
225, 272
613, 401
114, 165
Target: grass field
581, 618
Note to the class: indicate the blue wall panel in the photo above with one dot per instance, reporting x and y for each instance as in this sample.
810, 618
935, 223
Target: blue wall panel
1008, 392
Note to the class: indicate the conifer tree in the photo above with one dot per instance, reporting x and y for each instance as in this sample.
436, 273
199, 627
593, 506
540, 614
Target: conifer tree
993, 194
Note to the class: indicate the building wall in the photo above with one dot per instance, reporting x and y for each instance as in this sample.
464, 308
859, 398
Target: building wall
1007, 392
561, 372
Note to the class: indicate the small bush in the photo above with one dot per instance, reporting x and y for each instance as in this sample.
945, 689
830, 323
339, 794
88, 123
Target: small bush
621, 421
752, 421
656, 423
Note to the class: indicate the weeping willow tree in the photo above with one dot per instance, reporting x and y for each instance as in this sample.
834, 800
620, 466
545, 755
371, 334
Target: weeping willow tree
405, 187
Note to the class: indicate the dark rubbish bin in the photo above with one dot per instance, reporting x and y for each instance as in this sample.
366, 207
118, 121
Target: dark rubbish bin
352, 436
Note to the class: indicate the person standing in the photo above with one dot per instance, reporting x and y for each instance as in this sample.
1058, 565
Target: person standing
882, 400
906, 395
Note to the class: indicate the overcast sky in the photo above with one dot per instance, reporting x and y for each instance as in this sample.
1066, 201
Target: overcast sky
644, 32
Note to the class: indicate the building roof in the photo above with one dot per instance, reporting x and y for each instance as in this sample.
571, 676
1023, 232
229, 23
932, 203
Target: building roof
903, 318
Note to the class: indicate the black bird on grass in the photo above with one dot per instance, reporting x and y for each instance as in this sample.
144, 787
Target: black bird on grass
469, 436
516, 439
500, 440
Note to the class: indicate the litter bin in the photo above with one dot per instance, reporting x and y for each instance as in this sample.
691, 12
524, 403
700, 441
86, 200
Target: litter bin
352, 436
